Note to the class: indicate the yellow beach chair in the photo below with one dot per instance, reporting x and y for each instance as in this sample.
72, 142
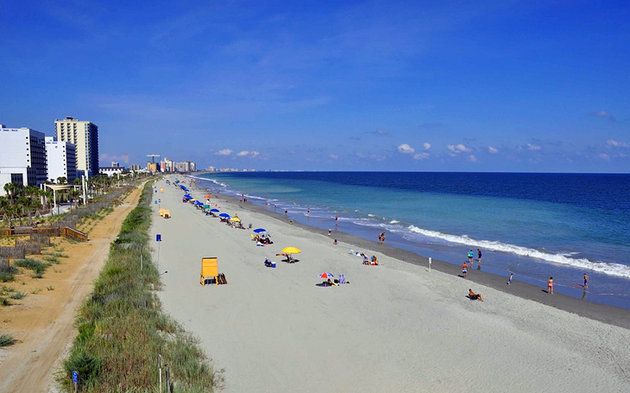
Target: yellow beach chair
209, 270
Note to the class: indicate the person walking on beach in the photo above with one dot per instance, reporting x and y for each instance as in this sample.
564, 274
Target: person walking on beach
478, 259
586, 278
470, 256
464, 270
550, 285
509, 281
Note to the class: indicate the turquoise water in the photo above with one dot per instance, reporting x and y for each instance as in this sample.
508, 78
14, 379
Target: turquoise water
532, 225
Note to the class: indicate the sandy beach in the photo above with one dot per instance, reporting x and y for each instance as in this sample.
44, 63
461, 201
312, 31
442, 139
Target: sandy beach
395, 328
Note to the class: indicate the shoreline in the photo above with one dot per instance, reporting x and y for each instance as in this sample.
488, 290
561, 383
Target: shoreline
597, 311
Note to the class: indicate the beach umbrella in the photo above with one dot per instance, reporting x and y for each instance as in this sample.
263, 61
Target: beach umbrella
224, 215
207, 196
214, 210
260, 230
326, 275
291, 250
235, 219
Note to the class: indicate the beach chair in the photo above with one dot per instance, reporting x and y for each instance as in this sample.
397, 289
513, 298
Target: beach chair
209, 270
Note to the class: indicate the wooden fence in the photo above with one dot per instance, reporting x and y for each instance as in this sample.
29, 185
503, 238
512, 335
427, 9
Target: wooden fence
67, 232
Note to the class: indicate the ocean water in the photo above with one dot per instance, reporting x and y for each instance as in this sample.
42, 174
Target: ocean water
534, 225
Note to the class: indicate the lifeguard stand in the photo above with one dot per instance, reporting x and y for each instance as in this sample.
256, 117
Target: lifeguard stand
209, 270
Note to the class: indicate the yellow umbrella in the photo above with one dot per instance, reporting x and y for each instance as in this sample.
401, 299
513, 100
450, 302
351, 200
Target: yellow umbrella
291, 250
235, 219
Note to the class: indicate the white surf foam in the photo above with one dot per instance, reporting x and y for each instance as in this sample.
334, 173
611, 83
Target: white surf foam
612, 269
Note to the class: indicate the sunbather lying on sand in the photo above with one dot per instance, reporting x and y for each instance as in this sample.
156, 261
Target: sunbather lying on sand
474, 296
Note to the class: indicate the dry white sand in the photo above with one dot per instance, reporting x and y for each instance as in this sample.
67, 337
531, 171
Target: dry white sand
394, 328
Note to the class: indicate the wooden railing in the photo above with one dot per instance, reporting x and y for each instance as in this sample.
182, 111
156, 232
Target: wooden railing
66, 232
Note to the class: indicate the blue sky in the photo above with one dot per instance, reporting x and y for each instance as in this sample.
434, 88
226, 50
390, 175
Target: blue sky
471, 86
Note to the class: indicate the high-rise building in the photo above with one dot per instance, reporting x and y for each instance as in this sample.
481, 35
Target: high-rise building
84, 135
22, 157
62, 160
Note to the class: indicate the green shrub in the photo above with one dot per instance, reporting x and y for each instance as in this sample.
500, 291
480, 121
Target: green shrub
36, 266
86, 364
6, 276
6, 340
17, 295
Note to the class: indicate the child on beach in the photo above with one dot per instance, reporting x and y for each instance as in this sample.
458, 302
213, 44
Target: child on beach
464, 269
550, 285
470, 258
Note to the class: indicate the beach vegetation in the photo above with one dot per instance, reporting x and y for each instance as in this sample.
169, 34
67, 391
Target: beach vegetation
7, 273
6, 340
37, 267
123, 331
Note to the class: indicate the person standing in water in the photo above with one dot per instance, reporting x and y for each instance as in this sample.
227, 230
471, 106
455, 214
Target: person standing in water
550, 285
478, 259
586, 278
470, 256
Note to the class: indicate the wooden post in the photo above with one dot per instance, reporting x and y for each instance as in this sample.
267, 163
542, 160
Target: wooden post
160, 372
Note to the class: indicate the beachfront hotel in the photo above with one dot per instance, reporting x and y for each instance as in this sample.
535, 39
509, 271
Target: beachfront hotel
84, 135
23, 153
62, 160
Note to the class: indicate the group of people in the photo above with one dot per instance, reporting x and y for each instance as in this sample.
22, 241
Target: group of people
373, 261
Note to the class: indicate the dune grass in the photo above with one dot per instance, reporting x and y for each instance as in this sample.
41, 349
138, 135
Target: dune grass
6, 340
122, 330
37, 267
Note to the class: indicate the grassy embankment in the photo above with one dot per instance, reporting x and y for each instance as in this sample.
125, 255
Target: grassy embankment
122, 329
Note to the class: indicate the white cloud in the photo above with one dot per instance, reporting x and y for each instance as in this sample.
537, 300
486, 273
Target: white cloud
426, 145
224, 152
406, 149
492, 150
458, 148
605, 115
604, 156
472, 158
615, 143
333, 156
532, 147
247, 153
421, 156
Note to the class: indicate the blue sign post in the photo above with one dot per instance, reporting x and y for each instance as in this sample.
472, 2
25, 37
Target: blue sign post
75, 380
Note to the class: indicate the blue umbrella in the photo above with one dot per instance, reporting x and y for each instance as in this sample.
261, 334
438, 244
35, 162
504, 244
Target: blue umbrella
260, 230
224, 215
198, 203
214, 210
